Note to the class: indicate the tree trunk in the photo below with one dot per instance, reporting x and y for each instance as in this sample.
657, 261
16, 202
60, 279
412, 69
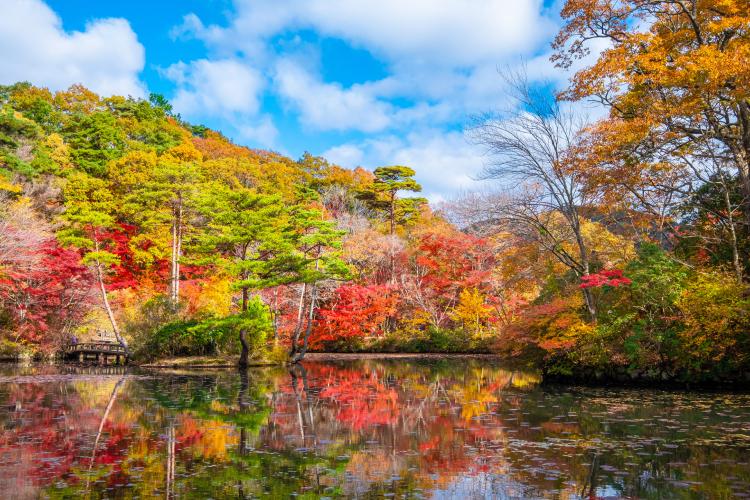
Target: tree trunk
275, 316
298, 401
105, 303
738, 271
173, 256
583, 253
176, 251
742, 156
392, 257
590, 304
392, 214
170, 487
245, 353
179, 255
243, 405
313, 295
112, 399
311, 317
298, 326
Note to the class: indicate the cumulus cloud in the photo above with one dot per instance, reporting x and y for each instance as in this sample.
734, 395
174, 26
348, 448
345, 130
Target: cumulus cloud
262, 132
442, 56
106, 56
219, 87
441, 61
445, 162
329, 106
348, 155
449, 32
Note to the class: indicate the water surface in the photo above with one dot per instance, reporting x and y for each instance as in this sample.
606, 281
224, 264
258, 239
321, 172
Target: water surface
368, 429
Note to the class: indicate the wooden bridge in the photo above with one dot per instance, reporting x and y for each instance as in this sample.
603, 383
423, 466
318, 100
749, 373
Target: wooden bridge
103, 352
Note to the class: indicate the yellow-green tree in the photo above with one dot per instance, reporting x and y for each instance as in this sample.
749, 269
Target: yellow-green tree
88, 217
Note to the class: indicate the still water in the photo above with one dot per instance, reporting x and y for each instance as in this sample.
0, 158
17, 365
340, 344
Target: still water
370, 429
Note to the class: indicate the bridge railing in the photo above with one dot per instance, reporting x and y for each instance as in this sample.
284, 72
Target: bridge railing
103, 347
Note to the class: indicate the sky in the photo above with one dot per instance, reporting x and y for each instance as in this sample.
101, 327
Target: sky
361, 82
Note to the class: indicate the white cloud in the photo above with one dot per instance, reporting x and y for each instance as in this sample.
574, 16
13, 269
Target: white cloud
221, 87
442, 56
106, 57
445, 162
448, 32
347, 155
262, 133
329, 106
441, 59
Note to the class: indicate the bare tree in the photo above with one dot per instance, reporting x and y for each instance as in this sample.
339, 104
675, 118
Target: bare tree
697, 198
532, 149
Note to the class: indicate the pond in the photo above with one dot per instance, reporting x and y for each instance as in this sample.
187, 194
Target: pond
366, 429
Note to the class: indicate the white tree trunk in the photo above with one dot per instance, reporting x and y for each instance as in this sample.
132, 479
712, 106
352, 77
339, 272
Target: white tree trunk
174, 289
105, 302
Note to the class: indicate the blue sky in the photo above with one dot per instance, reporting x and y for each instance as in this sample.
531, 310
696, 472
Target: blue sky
361, 82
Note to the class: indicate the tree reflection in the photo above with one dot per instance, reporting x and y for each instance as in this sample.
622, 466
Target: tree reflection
364, 429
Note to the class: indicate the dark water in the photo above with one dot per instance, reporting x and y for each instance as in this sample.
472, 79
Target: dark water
371, 429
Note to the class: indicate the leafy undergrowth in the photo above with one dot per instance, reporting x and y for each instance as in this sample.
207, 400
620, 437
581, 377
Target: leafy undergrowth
202, 361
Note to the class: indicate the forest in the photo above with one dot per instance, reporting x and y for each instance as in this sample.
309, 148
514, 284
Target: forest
617, 247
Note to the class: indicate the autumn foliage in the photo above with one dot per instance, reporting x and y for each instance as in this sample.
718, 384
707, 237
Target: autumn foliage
618, 246
355, 311
611, 277
47, 296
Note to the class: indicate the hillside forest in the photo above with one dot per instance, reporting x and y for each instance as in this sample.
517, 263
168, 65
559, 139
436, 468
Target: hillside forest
615, 247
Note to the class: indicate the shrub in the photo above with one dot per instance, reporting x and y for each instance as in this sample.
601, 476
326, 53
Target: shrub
641, 321
163, 331
715, 312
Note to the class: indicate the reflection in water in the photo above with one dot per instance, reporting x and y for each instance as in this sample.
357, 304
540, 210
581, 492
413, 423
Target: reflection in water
448, 429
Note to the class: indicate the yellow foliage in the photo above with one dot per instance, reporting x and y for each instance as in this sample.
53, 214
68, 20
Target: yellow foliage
214, 440
58, 151
93, 322
609, 248
716, 315
612, 250
211, 297
77, 98
96, 395
185, 151
9, 188
415, 325
471, 310
133, 169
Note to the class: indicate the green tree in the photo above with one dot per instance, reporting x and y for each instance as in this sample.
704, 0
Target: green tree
160, 196
89, 217
94, 140
250, 237
318, 242
161, 102
382, 195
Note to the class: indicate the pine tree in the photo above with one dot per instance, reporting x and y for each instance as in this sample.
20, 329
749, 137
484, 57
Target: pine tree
89, 218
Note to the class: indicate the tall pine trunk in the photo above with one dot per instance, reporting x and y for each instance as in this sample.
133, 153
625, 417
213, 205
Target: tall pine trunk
105, 302
311, 317
245, 353
176, 252
392, 257
300, 316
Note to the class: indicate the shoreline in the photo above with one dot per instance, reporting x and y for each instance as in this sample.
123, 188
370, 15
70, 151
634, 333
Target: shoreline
347, 356
212, 362
583, 379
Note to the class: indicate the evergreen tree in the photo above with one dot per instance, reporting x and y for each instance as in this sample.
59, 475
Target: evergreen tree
89, 218
250, 237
